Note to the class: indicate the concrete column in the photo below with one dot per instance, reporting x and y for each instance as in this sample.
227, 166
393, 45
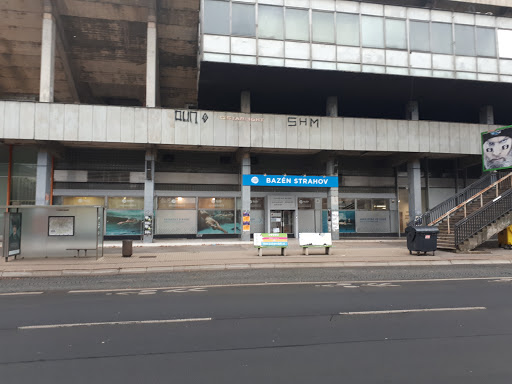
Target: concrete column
46, 81
151, 64
246, 194
333, 202
413, 111
245, 102
332, 106
149, 190
414, 176
427, 184
487, 115
43, 177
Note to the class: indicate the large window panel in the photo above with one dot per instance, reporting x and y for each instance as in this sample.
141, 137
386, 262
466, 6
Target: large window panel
216, 17
485, 42
396, 34
297, 24
442, 39
372, 29
504, 46
323, 27
347, 29
243, 20
464, 40
270, 22
419, 36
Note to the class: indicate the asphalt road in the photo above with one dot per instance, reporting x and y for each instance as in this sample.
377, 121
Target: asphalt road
288, 333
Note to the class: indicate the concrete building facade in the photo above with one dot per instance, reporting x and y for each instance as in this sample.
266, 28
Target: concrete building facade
157, 110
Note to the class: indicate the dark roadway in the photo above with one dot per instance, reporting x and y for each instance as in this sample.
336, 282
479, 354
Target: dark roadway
253, 334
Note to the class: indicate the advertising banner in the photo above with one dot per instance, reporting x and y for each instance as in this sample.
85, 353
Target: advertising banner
246, 221
270, 240
216, 222
14, 234
124, 222
176, 222
290, 181
497, 149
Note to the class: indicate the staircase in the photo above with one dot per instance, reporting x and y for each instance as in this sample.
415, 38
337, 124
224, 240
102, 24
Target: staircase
474, 214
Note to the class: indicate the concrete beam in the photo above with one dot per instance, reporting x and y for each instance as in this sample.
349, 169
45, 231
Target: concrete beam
47, 76
152, 73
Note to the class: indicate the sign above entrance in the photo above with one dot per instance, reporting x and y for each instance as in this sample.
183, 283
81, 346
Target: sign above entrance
290, 181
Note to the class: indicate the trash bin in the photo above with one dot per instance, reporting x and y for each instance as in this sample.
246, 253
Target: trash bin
422, 239
505, 238
127, 248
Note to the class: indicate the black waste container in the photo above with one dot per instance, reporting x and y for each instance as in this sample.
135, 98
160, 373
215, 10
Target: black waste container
127, 248
422, 239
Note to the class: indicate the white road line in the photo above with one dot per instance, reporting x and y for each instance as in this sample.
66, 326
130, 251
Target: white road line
135, 322
20, 293
413, 310
284, 284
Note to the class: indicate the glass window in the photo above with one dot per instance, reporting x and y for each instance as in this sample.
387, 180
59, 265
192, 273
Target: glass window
380, 205
297, 24
419, 36
396, 34
257, 203
485, 42
270, 22
126, 203
504, 39
243, 19
323, 27
442, 39
347, 29
82, 200
364, 205
217, 203
464, 40
306, 203
216, 17
177, 203
372, 31
347, 203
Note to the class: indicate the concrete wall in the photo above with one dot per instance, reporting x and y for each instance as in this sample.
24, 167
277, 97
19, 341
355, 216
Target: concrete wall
109, 124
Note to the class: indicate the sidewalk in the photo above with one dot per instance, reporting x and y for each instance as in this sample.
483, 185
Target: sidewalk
202, 255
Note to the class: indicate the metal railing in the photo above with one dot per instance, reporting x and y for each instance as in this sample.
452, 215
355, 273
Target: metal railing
480, 219
446, 206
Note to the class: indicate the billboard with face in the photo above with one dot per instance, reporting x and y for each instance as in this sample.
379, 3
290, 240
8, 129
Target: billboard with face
497, 149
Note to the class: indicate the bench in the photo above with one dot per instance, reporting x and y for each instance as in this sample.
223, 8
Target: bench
81, 249
271, 240
315, 240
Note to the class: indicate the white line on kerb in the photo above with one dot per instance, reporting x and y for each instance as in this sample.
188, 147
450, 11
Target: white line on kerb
135, 322
412, 310
20, 293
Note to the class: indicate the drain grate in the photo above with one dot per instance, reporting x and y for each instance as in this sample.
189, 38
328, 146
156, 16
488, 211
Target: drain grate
147, 257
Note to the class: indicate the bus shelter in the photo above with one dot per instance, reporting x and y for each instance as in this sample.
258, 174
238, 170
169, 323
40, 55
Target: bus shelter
52, 231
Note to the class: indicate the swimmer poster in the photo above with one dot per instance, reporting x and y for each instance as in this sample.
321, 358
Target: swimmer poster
216, 222
497, 149
124, 222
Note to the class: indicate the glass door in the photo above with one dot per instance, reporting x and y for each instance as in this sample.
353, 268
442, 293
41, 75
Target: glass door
276, 221
288, 217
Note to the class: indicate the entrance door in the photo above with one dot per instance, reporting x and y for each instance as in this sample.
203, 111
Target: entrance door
282, 222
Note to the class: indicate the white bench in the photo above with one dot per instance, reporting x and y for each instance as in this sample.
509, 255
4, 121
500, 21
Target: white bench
315, 240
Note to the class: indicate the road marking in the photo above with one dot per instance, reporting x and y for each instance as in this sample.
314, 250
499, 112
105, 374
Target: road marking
20, 293
318, 283
135, 322
413, 310
353, 285
502, 280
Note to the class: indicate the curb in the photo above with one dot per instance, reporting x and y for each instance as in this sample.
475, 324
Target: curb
239, 266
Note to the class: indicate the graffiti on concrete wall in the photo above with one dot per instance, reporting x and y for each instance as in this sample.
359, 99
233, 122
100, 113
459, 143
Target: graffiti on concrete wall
294, 121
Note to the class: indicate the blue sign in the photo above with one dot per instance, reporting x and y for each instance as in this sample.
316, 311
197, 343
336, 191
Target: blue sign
290, 181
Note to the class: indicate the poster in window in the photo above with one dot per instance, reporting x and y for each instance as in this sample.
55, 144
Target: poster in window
14, 234
216, 222
124, 222
61, 226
